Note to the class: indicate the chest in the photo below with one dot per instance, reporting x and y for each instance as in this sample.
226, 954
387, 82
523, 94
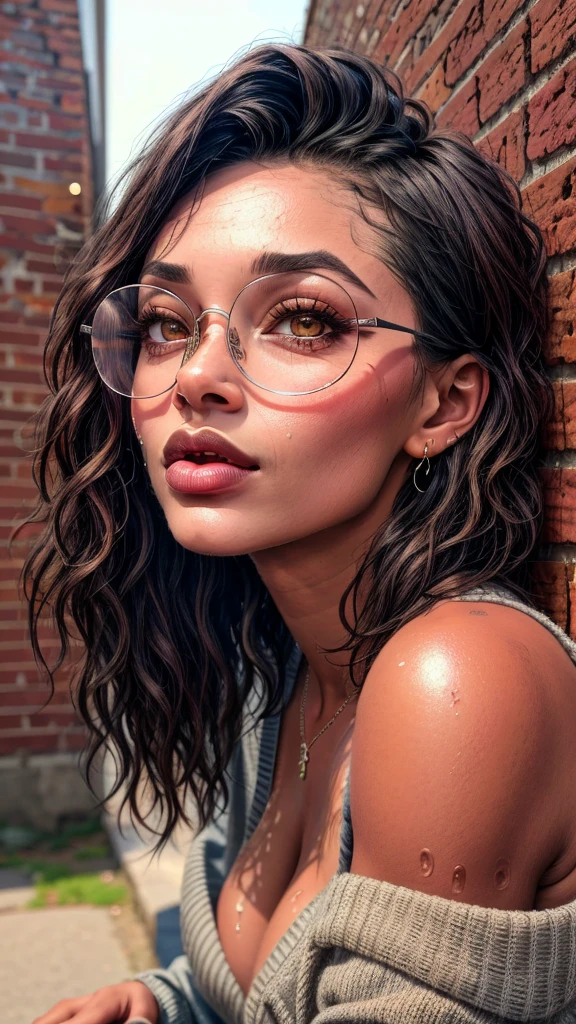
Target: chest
293, 852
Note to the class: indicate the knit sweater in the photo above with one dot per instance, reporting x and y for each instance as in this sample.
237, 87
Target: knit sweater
362, 951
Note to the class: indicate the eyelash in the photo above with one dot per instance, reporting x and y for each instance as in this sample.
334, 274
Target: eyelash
282, 311
147, 318
327, 315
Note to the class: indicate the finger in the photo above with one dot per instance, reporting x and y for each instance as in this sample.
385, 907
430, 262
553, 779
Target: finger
105, 1006
62, 1011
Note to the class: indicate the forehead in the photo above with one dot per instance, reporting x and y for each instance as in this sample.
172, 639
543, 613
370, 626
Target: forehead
249, 208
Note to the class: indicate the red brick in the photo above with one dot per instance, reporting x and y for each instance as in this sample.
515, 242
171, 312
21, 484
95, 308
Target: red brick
561, 342
437, 47
553, 29
503, 73
561, 432
505, 144
434, 91
66, 122
59, 43
72, 102
29, 224
27, 742
9, 200
74, 63
498, 13
34, 103
24, 338
53, 142
65, 6
551, 202
398, 32
16, 242
552, 114
10, 722
550, 586
461, 112
65, 165
12, 159
560, 502
468, 44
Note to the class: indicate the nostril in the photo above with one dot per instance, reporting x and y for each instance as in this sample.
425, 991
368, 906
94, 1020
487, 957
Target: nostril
213, 397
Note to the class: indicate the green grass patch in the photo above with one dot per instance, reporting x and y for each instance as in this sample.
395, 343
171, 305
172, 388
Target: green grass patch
92, 853
74, 889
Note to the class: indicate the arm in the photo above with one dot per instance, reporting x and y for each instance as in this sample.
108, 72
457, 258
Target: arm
458, 765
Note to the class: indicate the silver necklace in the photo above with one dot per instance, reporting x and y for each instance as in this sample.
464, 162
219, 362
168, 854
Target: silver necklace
305, 747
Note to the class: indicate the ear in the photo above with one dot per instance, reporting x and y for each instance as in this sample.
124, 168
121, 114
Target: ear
454, 398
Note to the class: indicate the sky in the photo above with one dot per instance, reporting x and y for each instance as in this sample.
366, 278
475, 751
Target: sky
158, 51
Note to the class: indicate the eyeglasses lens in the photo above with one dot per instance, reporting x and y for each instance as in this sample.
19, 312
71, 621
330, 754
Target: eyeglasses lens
292, 333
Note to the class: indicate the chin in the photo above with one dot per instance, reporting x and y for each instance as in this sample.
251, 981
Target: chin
210, 539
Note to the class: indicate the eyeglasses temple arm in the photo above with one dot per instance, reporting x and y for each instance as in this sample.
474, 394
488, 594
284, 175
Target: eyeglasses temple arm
375, 321
86, 329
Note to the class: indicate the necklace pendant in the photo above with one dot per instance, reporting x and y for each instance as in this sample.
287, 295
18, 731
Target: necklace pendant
304, 757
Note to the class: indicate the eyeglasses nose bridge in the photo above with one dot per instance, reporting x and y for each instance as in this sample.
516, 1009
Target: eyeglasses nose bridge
212, 309
194, 341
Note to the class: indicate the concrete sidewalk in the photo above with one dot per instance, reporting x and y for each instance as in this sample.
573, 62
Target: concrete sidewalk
51, 954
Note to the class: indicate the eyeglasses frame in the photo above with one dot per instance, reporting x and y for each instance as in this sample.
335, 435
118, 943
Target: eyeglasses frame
235, 350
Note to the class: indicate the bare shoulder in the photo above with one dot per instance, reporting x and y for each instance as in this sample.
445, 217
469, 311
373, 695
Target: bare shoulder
464, 747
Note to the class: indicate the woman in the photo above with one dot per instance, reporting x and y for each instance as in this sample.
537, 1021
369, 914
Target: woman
289, 479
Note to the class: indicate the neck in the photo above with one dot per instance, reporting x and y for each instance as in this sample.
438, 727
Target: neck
306, 579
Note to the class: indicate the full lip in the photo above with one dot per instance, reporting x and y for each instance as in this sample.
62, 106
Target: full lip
184, 441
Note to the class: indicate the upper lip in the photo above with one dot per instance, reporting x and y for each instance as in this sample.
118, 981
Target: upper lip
182, 442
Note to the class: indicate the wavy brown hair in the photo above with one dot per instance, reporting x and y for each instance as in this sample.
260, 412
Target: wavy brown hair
175, 641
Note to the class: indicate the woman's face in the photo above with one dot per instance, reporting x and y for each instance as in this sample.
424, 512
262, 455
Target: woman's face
324, 459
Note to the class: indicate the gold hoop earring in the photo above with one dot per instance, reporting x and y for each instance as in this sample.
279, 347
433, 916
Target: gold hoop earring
423, 460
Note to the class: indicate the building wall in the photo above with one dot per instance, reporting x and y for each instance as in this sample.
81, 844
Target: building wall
44, 147
504, 73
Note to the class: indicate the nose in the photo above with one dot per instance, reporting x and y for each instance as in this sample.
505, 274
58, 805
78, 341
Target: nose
209, 376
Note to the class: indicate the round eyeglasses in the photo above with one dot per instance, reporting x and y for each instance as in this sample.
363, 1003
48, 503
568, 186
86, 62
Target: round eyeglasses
291, 333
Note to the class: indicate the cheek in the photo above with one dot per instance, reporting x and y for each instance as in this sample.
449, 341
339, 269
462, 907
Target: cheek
354, 434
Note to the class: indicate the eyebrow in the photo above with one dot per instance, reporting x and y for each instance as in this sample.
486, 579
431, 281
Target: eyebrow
281, 262
267, 263
175, 272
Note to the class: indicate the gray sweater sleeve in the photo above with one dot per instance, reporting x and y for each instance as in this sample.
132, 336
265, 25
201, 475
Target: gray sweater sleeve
377, 953
173, 990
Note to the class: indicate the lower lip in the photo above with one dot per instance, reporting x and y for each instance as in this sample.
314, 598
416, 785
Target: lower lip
211, 477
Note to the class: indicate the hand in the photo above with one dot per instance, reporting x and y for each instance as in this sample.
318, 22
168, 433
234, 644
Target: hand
108, 1005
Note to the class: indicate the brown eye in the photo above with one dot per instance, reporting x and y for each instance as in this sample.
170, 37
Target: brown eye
172, 330
306, 326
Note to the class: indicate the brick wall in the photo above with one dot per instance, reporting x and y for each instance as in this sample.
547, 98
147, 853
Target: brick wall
44, 147
504, 73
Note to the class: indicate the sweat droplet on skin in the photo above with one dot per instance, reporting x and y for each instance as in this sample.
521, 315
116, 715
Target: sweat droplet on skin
458, 878
502, 873
426, 863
